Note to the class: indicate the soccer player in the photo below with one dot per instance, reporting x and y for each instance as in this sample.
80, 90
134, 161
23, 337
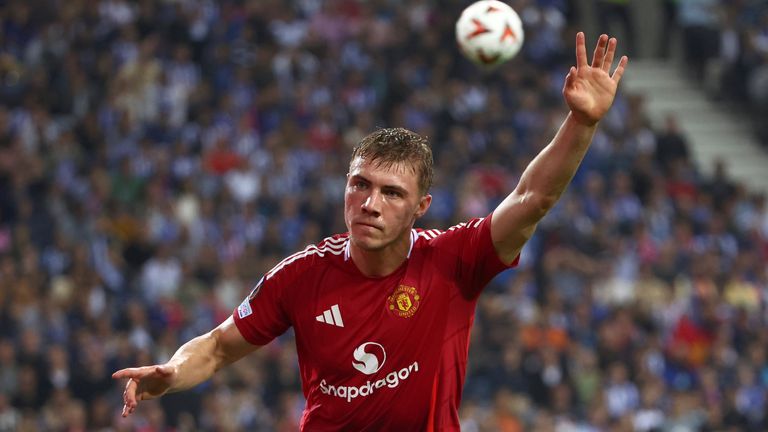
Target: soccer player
382, 314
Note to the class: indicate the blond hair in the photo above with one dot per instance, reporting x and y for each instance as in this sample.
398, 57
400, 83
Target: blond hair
389, 146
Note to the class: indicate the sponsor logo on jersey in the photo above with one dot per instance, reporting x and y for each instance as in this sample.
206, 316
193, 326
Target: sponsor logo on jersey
370, 358
404, 301
391, 380
367, 356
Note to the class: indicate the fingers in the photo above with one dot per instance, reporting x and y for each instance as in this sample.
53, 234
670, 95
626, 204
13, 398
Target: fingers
130, 373
129, 397
581, 51
134, 375
619, 72
151, 375
138, 373
609, 53
603, 56
600, 48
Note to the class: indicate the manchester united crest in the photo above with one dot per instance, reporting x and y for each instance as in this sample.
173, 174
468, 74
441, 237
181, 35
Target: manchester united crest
404, 302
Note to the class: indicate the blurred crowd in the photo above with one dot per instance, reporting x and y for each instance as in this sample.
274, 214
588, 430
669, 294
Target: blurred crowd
156, 157
725, 46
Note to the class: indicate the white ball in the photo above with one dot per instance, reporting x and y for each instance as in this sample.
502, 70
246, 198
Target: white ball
489, 32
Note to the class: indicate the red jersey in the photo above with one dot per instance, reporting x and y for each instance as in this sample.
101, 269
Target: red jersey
378, 353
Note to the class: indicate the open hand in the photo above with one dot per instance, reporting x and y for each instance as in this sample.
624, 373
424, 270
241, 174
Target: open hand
589, 89
144, 383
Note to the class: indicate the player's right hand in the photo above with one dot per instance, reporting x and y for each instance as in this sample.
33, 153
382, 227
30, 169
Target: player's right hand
144, 383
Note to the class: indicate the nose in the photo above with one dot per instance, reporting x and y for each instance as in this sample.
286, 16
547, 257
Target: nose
372, 204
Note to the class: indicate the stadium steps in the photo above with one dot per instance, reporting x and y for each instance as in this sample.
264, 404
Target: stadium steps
713, 131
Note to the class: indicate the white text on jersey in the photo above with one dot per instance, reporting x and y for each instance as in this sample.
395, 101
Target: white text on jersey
392, 380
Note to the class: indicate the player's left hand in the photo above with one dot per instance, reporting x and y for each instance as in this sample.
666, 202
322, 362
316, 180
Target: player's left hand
590, 88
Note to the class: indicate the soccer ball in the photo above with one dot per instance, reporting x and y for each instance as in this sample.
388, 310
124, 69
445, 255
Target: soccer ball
489, 32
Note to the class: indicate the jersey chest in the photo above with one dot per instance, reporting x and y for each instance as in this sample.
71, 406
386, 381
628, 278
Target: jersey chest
350, 326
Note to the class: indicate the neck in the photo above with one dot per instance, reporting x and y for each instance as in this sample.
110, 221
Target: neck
381, 262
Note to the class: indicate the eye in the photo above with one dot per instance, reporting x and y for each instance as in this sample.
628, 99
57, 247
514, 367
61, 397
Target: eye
393, 193
359, 184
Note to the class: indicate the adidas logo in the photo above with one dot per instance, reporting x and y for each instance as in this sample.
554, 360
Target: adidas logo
331, 316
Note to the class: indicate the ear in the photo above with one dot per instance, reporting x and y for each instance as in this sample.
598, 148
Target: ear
424, 204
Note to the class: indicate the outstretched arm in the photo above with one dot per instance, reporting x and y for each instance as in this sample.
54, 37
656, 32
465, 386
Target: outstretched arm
589, 91
192, 364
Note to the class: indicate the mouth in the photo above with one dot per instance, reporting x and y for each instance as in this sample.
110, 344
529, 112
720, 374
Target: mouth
368, 225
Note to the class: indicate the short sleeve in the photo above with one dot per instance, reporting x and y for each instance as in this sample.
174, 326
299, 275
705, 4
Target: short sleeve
262, 315
468, 248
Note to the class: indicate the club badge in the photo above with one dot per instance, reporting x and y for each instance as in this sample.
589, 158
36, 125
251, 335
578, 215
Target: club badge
404, 301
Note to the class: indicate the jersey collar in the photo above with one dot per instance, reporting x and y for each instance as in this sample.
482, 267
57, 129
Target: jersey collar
347, 252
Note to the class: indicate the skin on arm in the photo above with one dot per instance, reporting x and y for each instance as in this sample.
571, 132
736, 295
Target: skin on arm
589, 91
193, 363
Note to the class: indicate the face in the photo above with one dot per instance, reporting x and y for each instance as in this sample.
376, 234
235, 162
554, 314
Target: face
381, 204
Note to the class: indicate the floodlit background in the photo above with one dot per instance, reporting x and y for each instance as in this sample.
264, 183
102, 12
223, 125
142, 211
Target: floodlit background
156, 157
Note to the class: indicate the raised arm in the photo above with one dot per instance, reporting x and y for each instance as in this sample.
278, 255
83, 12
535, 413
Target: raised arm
589, 91
193, 363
